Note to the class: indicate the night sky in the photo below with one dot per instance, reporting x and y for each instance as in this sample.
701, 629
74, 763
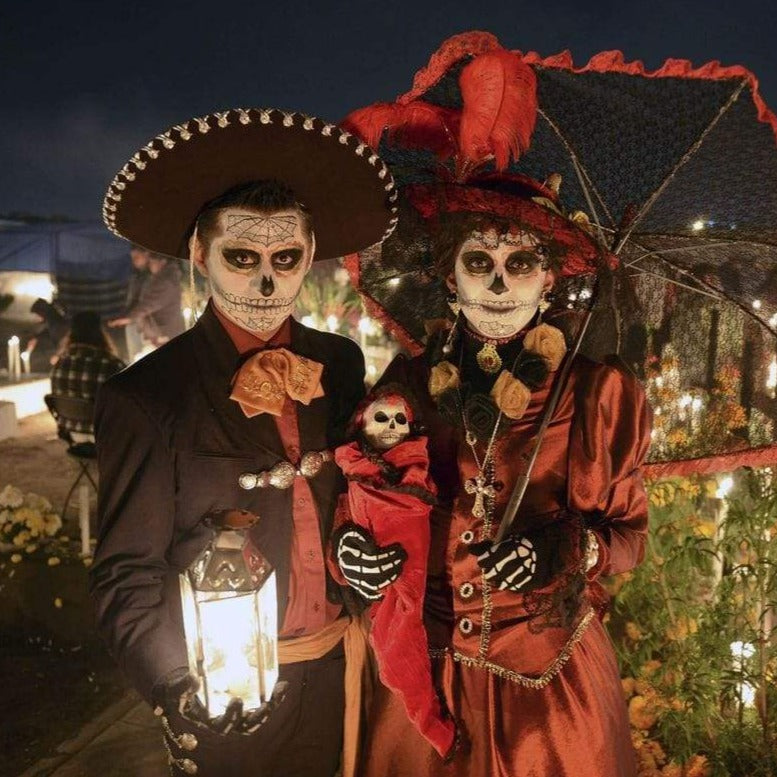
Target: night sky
84, 84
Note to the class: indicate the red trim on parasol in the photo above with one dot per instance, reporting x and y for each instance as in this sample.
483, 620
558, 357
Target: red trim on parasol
725, 462
473, 43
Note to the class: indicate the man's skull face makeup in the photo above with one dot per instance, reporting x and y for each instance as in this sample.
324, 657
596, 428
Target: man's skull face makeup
386, 422
256, 264
500, 280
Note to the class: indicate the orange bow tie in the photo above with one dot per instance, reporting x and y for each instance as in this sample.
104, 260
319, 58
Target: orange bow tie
263, 382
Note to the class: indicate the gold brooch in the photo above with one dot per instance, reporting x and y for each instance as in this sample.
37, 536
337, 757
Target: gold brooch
488, 359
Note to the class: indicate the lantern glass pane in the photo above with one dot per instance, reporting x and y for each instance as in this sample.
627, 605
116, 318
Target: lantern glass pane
230, 654
267, 618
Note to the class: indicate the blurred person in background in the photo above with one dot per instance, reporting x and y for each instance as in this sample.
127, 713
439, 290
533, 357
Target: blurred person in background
138, 277
157, 310
53, 328
88, 359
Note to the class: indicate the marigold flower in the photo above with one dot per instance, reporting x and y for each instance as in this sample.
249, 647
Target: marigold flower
633, 631
698, 766
650, 667
642, 714
53, 561
16, 558
58, 603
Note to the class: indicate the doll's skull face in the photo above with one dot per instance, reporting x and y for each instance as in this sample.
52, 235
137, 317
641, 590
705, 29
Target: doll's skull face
500, 280
386, 423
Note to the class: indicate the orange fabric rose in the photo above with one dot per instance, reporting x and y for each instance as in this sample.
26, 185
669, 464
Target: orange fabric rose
511, 395
548, 342
444, 376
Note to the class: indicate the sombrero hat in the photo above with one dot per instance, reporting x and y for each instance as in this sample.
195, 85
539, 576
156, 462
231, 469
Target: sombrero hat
154, 199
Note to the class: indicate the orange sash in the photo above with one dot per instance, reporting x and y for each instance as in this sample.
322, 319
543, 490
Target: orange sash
358, 677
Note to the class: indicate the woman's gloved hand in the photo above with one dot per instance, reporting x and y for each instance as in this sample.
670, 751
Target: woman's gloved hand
510, 565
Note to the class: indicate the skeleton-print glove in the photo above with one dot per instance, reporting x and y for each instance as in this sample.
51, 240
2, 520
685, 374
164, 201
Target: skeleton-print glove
367, 567
510, 565
178, 692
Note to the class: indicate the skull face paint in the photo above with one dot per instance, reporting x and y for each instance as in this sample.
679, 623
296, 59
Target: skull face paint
500, 280
256, 264
386, 422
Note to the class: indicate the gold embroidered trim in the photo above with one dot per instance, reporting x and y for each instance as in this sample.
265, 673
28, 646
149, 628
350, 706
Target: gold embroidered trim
523, 680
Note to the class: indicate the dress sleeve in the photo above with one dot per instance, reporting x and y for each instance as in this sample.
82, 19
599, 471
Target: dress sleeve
130, 581
610, 438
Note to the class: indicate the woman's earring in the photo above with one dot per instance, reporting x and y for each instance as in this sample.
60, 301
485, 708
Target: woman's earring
544, 304
453, 303
448, 346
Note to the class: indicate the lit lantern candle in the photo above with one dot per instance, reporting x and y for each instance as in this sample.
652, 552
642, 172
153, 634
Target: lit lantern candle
230, 615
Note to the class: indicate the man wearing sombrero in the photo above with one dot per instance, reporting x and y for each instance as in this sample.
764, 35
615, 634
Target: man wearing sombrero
240, 412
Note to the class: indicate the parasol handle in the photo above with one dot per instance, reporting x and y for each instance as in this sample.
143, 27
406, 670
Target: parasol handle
523, 480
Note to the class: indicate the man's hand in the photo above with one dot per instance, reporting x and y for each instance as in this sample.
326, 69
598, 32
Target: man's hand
367, 568
509, 565
179, 692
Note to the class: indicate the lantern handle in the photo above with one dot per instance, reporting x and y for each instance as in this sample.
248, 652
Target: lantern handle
234, 519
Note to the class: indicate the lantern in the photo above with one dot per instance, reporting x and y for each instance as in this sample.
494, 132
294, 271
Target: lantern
230, 616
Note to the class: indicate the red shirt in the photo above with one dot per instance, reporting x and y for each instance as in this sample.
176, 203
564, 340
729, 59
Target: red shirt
307, 610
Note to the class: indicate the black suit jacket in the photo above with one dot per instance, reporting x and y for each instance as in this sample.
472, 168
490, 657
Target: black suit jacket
171, 446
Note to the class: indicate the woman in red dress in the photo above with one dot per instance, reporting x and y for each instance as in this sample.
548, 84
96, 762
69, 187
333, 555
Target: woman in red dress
522, 660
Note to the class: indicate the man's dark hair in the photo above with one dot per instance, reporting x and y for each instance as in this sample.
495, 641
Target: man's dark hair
264, 197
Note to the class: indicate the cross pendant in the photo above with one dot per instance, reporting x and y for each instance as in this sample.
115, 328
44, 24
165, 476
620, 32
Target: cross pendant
481, 488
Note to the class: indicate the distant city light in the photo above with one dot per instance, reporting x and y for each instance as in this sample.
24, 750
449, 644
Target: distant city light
756, 304
698, 225
394, 282
366, 325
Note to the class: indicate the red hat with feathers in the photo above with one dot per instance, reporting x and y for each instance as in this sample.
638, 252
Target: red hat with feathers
450, 142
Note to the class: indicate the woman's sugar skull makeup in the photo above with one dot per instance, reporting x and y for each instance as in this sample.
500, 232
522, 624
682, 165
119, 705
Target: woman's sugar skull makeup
386, 422
500, 279
256, 264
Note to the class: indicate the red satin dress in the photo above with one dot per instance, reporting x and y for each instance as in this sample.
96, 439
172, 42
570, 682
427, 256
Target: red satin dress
529, 702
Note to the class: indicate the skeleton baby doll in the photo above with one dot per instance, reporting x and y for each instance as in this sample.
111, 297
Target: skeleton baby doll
390, 494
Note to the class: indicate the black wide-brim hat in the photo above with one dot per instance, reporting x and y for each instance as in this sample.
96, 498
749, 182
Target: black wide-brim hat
155, 198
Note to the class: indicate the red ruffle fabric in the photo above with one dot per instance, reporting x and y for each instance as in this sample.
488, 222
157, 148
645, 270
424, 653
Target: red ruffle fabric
397, 634
473, 43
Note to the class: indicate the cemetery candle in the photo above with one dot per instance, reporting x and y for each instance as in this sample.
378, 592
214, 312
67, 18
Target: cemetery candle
14, 365
25, 357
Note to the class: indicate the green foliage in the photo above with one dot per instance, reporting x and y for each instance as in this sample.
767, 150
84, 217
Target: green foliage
695, 627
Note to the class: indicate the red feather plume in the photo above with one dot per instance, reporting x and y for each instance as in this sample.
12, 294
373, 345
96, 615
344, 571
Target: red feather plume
416, 124
499, 93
